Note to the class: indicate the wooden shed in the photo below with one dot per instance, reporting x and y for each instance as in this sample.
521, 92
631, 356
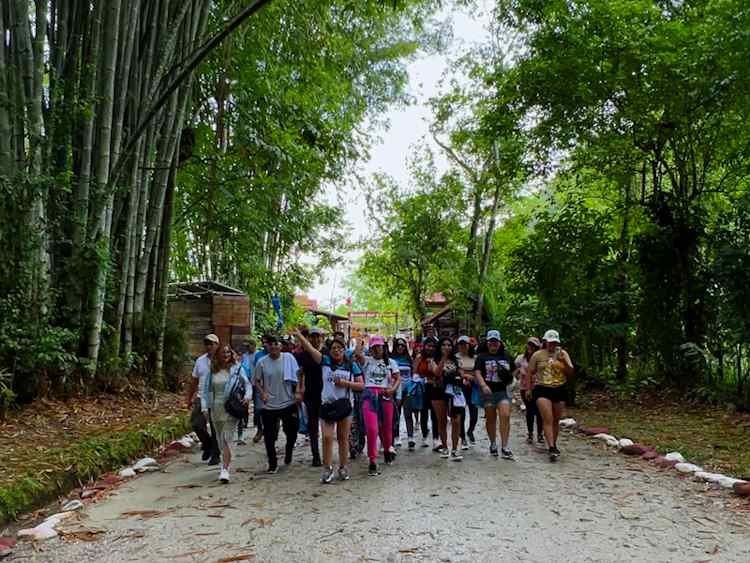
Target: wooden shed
210, 307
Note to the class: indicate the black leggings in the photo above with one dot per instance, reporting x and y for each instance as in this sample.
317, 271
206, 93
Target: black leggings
426, 411
473, 414
532, 412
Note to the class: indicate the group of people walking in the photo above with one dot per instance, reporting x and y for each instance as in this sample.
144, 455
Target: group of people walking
358, 395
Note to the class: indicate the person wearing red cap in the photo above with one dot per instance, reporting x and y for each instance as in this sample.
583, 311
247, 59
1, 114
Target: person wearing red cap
381, 383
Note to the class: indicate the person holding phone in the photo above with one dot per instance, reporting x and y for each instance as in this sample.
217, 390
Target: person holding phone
549, 369
339, 378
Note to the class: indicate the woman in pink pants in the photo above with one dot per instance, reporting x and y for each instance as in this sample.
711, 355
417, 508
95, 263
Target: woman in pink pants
381, 383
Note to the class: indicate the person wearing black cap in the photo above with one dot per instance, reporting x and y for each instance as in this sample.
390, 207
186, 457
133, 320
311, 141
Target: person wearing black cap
493, 372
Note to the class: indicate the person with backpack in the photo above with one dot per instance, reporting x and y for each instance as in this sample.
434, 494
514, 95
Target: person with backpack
224, 396
381, 375
550, 369
449, 378
493, 373
311, 384
340, 376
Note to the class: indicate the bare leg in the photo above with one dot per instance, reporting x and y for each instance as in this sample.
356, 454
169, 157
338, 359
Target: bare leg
558, 411
442, 422
329, 428
455, 431
490, 422
545, 408
342, 430
503, 410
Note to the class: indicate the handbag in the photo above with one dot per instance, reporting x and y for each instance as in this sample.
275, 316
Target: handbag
336, 410
233, 404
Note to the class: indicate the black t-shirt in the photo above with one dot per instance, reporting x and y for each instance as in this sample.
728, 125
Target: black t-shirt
496, 369
313, 376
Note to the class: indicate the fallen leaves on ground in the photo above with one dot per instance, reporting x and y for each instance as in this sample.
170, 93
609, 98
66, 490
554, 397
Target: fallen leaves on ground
49, 424
145, 514
240, 557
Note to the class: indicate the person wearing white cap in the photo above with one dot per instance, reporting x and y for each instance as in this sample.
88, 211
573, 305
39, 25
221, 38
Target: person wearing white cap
198, 421
549, 369
493, 373
382, 380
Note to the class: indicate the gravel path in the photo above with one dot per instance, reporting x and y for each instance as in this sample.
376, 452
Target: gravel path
593, 505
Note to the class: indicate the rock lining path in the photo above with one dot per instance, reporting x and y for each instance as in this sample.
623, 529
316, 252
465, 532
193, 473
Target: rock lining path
593, 505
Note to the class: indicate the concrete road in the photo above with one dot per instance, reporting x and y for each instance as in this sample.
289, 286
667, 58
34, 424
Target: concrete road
594, 505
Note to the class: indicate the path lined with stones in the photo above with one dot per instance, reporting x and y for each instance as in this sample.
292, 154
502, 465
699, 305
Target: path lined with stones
594, 505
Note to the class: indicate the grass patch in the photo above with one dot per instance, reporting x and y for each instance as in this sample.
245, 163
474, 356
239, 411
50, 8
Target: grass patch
706, 436
83, 460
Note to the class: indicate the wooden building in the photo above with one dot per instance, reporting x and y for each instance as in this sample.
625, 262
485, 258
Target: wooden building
210, 307
336, 323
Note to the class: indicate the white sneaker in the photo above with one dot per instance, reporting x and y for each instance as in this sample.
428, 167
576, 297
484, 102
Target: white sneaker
398, 443
464, 445
444, 453
224, 475
456, 456
425, 443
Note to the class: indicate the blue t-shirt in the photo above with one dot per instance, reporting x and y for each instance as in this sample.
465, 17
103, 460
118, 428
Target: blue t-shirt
330, 372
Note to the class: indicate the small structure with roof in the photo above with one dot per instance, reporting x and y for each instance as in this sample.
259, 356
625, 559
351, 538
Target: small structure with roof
210, 307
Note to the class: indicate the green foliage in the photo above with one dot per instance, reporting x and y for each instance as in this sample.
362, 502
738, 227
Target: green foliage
85, 460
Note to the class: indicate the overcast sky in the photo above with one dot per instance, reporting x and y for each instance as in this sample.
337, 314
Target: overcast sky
408, 129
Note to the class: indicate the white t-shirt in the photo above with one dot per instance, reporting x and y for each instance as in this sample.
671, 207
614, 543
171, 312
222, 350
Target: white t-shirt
201, 370
378, 373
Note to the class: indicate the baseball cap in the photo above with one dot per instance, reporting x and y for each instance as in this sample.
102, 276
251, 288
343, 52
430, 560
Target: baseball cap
464, 338
211, 338
317, 330
552, 336
377, 341
535, 341
493, 335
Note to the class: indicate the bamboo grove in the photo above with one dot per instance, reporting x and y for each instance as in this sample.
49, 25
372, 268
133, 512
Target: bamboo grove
100, 102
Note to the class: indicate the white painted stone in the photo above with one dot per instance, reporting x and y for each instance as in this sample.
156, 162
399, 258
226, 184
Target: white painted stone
624, 442
127, 473
41, 532
142, 464
675, 456
687, 468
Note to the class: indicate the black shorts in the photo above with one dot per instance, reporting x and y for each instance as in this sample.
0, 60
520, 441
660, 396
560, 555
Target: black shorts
433, 393
456, 411
553, 394
336, 411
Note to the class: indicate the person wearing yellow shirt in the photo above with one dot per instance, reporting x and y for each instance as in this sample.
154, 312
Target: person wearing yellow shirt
549, 369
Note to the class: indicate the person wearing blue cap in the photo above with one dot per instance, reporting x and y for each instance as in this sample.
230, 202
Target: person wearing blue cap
493, 373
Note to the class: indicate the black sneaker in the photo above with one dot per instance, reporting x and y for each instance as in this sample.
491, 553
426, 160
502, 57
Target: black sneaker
493, 450
316, 461
214, 460
529, 439
540, 439
205, 455
372, 470
412, 445
272, 470
471, 438
554, 454
507, 454
389, 458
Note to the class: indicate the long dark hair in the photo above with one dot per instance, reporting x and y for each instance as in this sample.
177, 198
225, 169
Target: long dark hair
394, 352
439, 350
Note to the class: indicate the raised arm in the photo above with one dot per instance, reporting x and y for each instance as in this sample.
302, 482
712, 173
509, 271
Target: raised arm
315, 354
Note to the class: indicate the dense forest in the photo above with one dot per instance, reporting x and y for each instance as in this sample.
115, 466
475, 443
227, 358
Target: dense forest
146, 141
598, 182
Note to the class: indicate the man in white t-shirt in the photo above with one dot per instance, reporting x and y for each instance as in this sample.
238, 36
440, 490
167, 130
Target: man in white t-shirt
201, 370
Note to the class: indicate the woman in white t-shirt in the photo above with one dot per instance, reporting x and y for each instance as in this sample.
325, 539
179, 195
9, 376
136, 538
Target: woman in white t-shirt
381, 376
340, 377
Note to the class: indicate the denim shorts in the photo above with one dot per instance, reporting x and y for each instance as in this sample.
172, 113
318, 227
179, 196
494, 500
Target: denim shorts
495, 398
